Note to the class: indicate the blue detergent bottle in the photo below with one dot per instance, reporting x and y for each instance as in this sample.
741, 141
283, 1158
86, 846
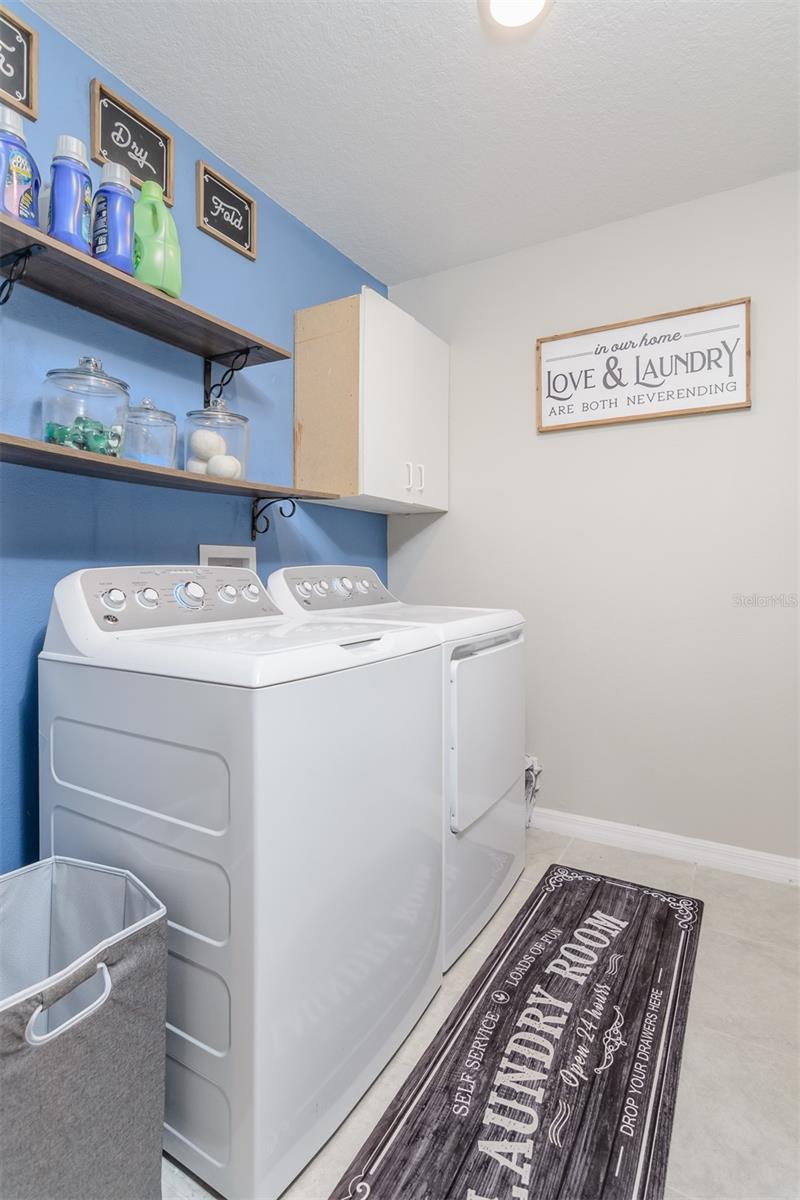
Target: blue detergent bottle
18, 171
70, 194
112, 218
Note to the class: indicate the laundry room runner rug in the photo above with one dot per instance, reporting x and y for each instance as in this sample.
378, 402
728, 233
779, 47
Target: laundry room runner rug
554, 1077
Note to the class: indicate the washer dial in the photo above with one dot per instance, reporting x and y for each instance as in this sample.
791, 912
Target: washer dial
190, 594
114, 599
147, 597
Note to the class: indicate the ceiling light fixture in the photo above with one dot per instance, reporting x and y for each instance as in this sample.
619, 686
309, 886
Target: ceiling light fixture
513, 14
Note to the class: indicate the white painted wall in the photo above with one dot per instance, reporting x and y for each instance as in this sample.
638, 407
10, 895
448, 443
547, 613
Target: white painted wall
652, 698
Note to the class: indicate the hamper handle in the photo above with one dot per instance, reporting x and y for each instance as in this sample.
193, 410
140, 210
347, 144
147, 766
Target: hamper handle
38, 1039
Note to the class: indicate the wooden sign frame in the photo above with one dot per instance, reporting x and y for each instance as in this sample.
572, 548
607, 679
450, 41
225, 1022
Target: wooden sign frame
30, 110
651, 415
204, 168
100, 90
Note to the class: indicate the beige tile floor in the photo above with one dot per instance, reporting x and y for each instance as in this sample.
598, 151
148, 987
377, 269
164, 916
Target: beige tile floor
736, 1124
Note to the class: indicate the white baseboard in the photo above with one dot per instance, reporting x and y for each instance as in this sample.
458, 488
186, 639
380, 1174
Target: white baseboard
775, 867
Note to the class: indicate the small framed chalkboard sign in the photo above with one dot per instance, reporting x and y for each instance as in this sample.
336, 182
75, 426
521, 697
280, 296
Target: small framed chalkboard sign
19, 64
121, 134
225, 212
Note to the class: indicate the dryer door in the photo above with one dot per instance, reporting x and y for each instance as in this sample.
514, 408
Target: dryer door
487, 725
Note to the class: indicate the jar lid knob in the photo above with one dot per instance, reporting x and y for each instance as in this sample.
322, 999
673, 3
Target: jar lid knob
93, 364
147, 403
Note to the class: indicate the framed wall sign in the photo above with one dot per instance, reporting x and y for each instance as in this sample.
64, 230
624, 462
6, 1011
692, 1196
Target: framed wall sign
19, 64
121, 134
696, 360
225, 212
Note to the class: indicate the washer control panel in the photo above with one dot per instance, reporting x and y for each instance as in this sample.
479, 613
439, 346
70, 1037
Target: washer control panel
122, 598
329, 588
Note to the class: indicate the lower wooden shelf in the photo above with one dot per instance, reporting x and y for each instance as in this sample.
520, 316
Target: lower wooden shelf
29, 453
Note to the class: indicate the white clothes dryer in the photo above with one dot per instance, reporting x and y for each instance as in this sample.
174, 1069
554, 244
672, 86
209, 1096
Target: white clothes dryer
483, 687
276, 783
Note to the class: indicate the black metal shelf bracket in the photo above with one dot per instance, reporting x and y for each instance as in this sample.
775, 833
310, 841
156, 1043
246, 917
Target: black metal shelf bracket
18, 261
259, 520
213, 392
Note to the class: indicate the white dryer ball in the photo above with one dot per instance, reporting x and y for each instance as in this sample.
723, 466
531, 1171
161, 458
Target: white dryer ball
224, 466
198, 466
205, 443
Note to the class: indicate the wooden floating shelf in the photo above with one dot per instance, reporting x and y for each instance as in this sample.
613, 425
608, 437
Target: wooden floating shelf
66, 274
29, 453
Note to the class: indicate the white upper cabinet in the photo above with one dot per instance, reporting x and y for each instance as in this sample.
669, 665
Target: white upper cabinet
371, 400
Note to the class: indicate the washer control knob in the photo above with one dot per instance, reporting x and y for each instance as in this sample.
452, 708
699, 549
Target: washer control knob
148, 597
363, 585
114, 599
191, 594
304, 587
322, 587
250, 592
343, 586
228, 593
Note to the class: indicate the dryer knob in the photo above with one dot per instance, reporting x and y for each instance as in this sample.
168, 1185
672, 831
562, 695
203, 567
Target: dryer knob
250, 591
228, 593
343, 586
191, 594
304, 588
322, 588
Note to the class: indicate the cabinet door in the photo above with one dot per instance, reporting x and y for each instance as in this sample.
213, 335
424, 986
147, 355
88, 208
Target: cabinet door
404, 398
428, 412
387, 386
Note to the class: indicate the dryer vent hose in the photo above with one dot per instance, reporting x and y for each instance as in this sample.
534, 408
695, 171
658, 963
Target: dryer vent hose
533, 770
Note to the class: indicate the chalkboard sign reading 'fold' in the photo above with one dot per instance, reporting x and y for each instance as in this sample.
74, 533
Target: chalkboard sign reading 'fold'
121, 134
225, 212
19, 64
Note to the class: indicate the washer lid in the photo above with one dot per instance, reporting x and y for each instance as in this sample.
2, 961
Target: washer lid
256, 653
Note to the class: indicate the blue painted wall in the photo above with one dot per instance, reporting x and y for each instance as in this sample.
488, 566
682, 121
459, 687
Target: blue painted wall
51, 524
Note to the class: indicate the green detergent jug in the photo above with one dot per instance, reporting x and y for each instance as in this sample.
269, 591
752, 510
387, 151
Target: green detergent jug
156, 250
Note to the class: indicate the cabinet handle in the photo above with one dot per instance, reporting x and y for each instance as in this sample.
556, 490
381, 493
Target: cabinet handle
409, 476
421, 470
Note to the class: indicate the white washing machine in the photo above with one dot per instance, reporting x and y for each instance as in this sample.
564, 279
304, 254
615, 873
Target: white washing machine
483, 724
276, 783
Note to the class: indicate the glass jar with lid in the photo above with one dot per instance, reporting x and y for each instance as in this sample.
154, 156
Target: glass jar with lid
151, 435
84, 408
216, 442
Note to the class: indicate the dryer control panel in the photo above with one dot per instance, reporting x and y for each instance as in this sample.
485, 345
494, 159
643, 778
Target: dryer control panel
123, 598
328, 588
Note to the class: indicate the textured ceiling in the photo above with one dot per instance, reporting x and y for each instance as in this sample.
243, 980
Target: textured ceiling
413, 139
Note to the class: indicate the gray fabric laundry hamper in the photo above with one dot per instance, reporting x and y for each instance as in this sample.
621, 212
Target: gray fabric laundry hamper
83, 984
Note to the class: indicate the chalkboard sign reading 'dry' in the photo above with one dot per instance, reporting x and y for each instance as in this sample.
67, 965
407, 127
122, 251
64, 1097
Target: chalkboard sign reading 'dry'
121, 134
225, 212
19, 64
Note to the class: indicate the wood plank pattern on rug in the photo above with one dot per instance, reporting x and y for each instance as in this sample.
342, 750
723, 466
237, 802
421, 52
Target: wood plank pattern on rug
555, 1075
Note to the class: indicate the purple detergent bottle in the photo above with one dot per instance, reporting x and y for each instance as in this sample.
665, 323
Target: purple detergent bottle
112, 218
19, 177
70, 194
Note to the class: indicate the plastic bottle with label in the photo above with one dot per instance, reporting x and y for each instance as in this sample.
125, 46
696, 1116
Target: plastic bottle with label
156, 249
70, 194
20, 176
112, 218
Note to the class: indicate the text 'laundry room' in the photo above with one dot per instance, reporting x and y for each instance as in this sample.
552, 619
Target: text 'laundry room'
399, 617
